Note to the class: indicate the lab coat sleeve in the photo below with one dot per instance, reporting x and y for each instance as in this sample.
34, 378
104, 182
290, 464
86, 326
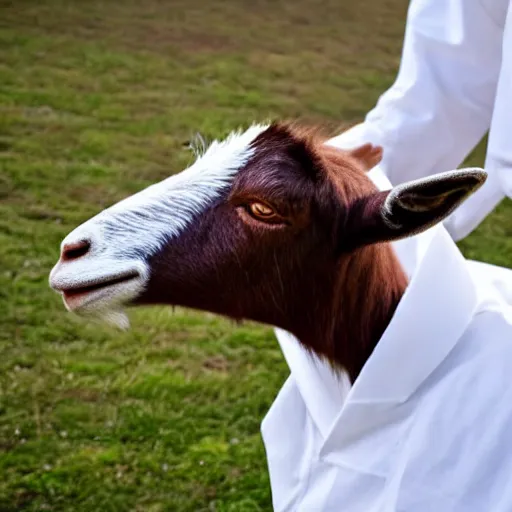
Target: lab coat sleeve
499, 154
442, 101
498, 162
499, 150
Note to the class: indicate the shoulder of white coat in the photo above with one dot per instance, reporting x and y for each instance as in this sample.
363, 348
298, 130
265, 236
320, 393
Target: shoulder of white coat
478, 369
461, 430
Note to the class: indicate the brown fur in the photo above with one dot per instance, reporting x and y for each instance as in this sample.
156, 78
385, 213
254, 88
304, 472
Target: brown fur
369, 281
308, 273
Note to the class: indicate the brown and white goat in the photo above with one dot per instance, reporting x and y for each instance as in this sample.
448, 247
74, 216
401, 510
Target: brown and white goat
271, 225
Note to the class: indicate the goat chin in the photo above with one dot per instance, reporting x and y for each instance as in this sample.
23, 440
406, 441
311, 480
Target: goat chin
113, 317
117, 318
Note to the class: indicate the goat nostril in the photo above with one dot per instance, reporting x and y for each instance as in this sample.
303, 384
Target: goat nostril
75, 251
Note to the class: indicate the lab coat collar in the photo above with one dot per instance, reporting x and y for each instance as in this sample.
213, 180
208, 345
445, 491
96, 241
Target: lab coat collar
432, 315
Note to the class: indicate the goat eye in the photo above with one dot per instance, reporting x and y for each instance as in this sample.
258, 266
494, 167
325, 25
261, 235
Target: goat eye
261, 210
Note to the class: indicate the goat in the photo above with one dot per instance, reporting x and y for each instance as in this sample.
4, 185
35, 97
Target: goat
271, 225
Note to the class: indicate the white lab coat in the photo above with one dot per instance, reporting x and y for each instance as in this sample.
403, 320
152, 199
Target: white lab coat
427, 425
454, 83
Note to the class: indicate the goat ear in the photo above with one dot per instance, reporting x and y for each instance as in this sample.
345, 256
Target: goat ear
410, 208
368, 154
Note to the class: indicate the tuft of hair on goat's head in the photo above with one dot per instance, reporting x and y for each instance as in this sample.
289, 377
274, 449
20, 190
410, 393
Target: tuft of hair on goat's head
273, 225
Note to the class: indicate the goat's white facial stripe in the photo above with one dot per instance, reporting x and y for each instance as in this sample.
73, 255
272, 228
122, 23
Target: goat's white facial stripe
140, 224
126, 234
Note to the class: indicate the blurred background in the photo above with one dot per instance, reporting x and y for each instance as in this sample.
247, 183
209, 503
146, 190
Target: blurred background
98, 99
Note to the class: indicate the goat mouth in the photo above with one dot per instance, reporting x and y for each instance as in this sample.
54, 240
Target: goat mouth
105, 289
70, 292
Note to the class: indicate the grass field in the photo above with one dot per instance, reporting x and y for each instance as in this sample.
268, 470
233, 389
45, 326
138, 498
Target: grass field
97, 99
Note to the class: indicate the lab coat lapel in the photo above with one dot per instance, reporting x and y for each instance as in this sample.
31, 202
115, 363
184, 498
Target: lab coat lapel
431, 317
322, 391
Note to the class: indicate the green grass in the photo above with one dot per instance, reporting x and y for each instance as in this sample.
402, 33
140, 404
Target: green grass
97, 99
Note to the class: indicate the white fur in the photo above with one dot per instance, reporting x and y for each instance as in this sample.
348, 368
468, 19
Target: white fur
123, 236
